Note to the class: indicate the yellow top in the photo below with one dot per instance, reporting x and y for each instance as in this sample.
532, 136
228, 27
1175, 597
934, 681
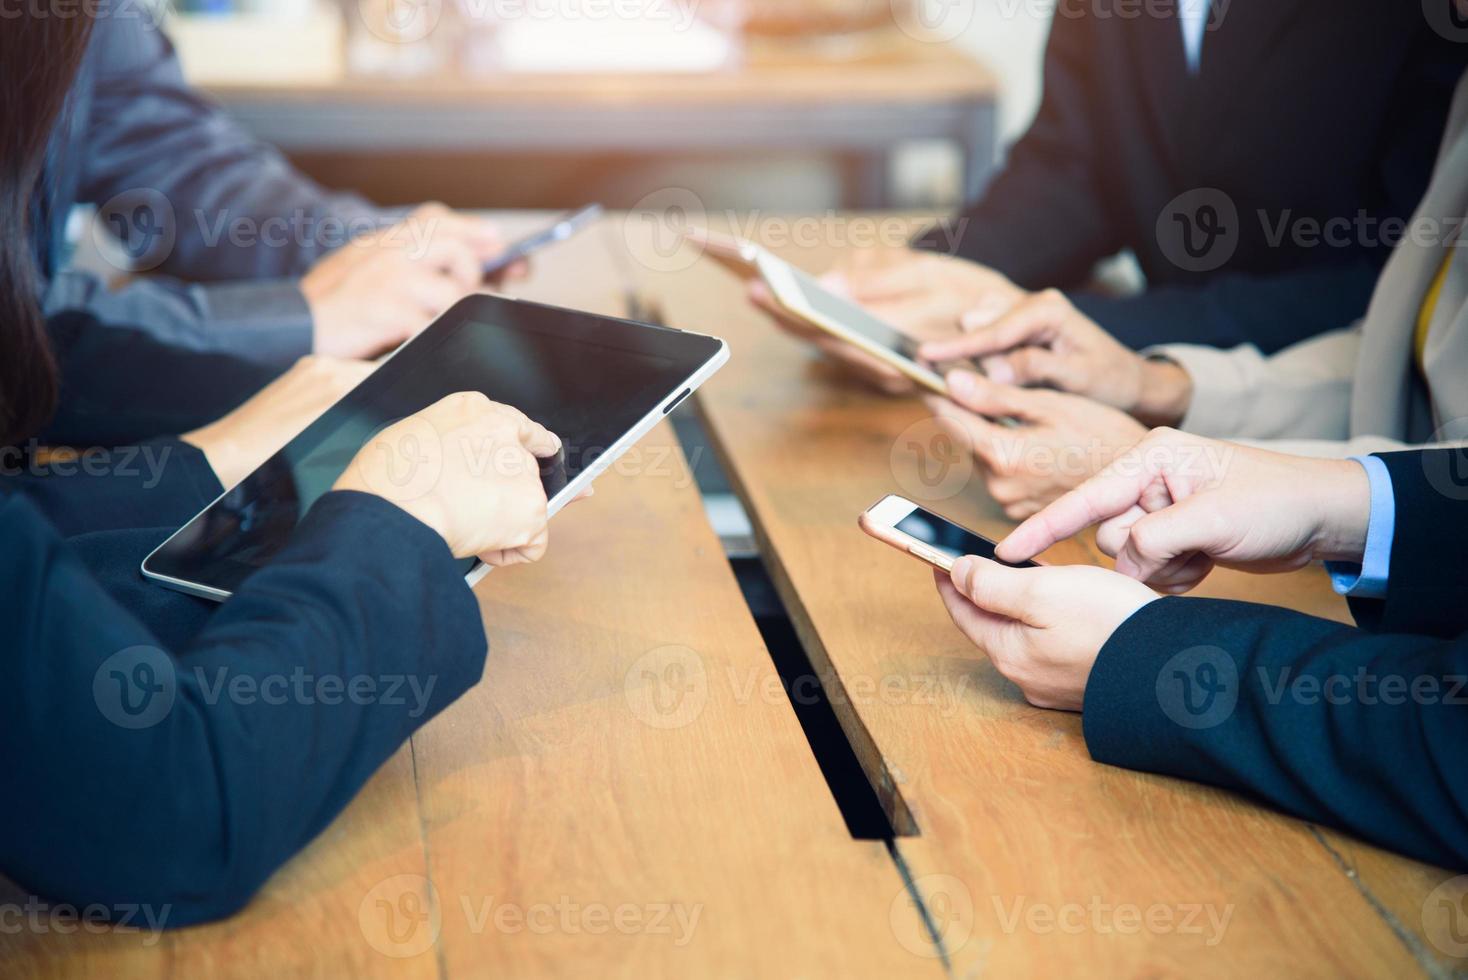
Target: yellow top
1429, 309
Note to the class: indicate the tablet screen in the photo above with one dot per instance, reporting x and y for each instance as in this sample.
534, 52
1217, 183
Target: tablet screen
588, 379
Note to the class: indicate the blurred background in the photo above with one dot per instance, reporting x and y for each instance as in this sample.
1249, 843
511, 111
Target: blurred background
774, 104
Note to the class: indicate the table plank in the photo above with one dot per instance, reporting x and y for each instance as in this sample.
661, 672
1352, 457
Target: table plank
1015, 825
631, 748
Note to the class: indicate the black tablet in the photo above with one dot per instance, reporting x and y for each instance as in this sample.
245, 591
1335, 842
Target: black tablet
597, 382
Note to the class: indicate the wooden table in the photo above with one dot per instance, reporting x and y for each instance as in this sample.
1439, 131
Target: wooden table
890, 88
628, 792
1019, 843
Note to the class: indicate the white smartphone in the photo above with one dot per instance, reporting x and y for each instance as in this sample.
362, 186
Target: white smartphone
805, 298
899, 523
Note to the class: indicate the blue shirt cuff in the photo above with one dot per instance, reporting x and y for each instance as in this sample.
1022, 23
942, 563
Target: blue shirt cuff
1368, 579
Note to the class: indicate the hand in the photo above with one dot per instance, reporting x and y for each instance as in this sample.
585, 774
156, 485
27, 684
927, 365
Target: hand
1044, 340
1041, 627
237, 444
1061, 440
381, 288
472, 476
1175, 505
920, 294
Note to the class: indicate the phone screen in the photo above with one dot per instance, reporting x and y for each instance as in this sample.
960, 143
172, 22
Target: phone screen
853, 317
944, 536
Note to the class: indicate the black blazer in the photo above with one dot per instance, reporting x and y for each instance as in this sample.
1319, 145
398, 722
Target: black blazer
1301, 109
1357, 728
187, 799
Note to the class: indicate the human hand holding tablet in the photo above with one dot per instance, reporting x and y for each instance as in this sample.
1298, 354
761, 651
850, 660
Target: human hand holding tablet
598, 383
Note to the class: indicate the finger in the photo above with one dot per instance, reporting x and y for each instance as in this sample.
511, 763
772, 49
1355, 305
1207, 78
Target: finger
983, 397
1032, 366
978, 435
435, 293
1112, 492
464, 266
538, 440
983, 628
1160, 537
997, 588
1111, 534
517, 271
1182, 574
888, 282
1032, 322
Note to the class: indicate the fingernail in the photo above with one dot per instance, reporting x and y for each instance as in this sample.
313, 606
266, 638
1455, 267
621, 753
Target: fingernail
961, 570
962, 382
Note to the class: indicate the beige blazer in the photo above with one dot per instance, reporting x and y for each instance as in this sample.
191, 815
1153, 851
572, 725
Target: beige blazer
1357, 390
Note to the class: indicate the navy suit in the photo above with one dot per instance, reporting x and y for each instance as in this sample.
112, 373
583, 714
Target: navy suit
159, 750
1361, 729
1300, 110
223, 222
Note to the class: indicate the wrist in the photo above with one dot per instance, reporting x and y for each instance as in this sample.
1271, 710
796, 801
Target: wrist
1343, 495
220, 452
1165, 393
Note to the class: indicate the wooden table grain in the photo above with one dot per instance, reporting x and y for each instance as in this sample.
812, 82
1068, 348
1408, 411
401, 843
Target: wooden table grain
1033, 860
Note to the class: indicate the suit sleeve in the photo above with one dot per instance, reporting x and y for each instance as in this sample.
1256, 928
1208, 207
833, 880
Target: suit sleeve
217, 208
1048, 183
1333, 724
159, 483
1300, 393
182, 779
1427, 588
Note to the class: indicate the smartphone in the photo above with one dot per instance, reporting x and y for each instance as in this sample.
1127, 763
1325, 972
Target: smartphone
735, 254
806, 299
926, 536
560, 230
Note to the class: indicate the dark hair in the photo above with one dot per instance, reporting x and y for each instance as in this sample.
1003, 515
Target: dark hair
39, 56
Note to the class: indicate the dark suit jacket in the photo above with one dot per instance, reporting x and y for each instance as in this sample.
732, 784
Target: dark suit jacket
189, 806
223, 222
1361, 729
1302, 109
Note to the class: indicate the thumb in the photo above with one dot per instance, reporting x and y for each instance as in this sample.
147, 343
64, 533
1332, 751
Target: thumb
994, 587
